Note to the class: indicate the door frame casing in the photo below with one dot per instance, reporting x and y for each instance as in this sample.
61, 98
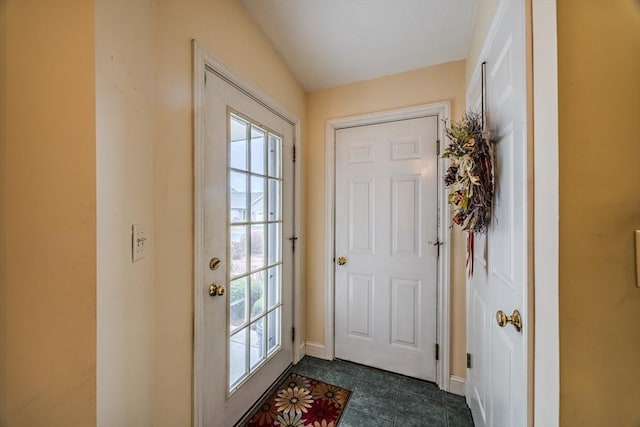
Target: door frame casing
545, 396
203, 59
443, 111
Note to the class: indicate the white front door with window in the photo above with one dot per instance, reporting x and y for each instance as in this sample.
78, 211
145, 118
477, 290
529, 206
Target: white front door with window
245, 178
386, 226
497, 377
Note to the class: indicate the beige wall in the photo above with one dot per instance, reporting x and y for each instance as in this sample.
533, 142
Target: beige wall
124, 46
222, 27
48, 200
485, 11
47, 214
425, 85
599, 114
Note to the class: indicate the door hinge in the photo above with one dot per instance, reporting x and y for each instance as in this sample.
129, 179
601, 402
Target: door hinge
468, 361
293, 153
293, 334
437, 351
438, 147
293, 243
437, 244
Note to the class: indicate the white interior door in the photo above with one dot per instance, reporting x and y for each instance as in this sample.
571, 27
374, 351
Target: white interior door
247, 200
386, 227
497, 379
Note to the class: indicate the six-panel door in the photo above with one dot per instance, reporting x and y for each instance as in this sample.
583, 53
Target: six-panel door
386, 224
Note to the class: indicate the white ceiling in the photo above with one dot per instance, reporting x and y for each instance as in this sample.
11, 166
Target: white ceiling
328, 43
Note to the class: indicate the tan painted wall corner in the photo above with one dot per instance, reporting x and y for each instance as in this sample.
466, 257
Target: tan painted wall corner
47, 214
124, 43
599, 141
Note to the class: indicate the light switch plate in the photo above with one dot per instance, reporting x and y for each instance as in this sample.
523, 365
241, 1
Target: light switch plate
138, 242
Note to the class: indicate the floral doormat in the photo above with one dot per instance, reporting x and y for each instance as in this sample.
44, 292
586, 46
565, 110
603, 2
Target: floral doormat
302, 402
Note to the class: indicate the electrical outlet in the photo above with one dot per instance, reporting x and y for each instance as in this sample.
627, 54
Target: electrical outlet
138, 242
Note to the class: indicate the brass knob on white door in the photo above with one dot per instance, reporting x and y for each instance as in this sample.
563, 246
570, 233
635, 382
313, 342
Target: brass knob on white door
515, 319
342, 260
216, 290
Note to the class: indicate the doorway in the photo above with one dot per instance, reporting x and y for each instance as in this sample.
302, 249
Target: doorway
387, 246
244, 260
403, 289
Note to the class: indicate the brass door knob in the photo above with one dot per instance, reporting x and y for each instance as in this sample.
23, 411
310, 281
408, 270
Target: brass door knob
216, 290
515, 319
342, 260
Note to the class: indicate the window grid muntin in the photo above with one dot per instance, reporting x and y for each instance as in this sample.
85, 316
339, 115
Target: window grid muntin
266, 177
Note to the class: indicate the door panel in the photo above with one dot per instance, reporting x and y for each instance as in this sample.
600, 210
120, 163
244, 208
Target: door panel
405, 215
360, 314
502, 260
386, 213
497, 379
478, 328
404, 311
247, 212
361, 215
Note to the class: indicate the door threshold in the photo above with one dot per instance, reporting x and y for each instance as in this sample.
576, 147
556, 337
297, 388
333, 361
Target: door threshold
390, 372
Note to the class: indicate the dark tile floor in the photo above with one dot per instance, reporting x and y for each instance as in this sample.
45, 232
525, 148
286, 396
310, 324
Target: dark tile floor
383, 399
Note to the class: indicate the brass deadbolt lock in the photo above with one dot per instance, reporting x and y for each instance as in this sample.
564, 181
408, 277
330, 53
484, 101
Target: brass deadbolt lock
214, 263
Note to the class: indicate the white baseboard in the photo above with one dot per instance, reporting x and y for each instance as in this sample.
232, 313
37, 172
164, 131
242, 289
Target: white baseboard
314, 349
456, 385
302, 351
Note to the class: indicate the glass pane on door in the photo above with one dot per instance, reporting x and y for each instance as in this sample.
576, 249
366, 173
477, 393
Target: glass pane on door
255, 242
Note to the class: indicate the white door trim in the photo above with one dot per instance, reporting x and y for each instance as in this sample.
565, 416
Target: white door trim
546, 351
442, 110
203, 59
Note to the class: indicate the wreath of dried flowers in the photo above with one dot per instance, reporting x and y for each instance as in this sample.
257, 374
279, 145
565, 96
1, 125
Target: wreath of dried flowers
469, 178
